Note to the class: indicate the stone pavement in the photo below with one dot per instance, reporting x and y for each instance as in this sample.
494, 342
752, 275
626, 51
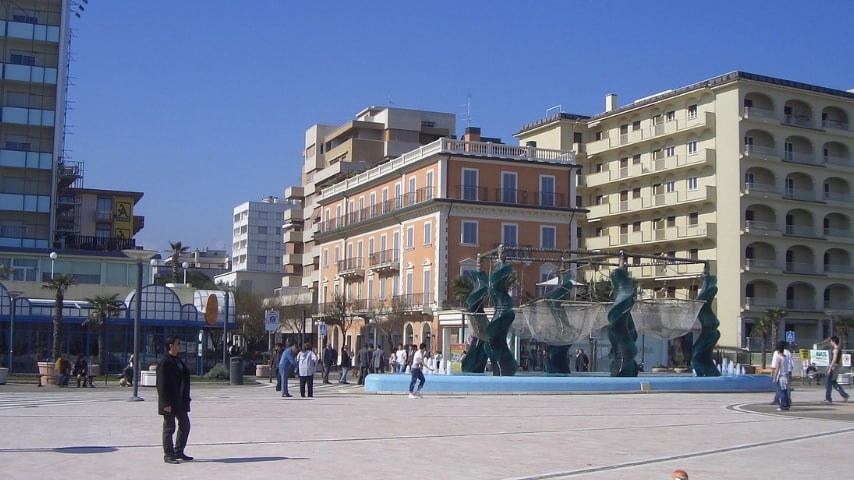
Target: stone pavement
249, 431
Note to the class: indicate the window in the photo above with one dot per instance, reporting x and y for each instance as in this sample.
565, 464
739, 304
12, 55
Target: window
410, 238
748, 143
636, 226
337, 255
670, 151
469, 184
636, 125
469, 233
694, 254
547, 191
636, 159
670, 116
325, 257
693, 219
548, 237
671, 221
692, 111
692, 147
692, 183
671, 186
598, 135
788, 151
262, 230
598, 168
597, 200
508, 187
428, 233
510, 234
262, 260
636, 192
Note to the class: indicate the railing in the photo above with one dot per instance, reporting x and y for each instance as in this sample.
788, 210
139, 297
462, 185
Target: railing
762, 226
835, 124
798, 120
759, 263
385, 258
803, 304
759, 113
834, 268
93, 243
760, 303
448, 145
351, 266
799, 267
800, 230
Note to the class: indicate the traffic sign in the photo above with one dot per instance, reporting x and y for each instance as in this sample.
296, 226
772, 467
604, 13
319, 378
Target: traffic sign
271, 320
790, 336
322, 329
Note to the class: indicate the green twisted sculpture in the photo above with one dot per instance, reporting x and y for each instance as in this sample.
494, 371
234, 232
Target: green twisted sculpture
702, 355
621, 328
557, 360
503, 363
475, 358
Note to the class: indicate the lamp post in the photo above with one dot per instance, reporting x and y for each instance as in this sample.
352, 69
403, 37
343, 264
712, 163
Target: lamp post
53, 256
185, 266
139, 256
225, 330
13, 295
373, 323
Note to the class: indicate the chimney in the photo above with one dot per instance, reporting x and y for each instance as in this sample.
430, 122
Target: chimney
610, 102
472, 134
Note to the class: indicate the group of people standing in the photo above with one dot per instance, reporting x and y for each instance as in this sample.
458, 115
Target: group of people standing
781, 375
292, 360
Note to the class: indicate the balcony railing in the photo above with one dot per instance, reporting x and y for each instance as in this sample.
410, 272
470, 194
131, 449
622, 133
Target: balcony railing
387, 260
351, 267
93, 243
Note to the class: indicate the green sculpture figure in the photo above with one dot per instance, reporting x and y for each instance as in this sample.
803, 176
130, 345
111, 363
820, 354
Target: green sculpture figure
557, 360
621, 328
475, 358
503, 363
702, 355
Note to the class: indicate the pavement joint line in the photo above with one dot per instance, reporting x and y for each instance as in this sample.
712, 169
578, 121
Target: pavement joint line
648, 461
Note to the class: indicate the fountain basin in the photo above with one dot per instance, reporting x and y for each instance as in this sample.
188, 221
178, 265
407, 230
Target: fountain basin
586, 383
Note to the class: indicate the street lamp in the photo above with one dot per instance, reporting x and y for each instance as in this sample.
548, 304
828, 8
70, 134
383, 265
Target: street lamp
53, 256
185, 266
13, 295
225, 289
139, 256
373, 323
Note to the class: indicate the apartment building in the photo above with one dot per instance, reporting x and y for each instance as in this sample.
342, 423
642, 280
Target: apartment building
333, 153
752, 173
34, 40
392, 239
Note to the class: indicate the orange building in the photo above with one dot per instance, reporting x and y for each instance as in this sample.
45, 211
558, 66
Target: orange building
393, 238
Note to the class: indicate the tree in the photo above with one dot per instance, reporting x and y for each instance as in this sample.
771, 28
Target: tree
6, 272
767, 325
844, 325
249, 311
175, 252
462, 287
392, 315
336, 313
59, 284
103, 307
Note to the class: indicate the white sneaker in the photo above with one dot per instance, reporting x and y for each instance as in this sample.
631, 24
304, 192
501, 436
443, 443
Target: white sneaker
418, 394
412, 395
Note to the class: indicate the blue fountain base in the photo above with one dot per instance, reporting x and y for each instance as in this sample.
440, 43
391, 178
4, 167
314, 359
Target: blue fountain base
587, 383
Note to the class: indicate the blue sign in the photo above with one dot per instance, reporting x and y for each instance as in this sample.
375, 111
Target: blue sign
322, 329
790, 336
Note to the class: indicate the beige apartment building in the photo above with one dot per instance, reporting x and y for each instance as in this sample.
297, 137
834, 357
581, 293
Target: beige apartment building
393, 238
752, 173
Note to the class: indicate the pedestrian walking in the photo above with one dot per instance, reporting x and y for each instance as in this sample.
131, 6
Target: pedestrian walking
274, 365
781, 375
330, 358
173, 401
363, 358
582, 363
416, 374
378, 360
346, 363
307, 365
400, 358
830, 382
287, 364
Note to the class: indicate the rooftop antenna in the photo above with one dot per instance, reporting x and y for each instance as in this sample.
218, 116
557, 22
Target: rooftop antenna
389, 100
467, 114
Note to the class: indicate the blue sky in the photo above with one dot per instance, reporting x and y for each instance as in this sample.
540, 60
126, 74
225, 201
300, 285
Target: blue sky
203, 105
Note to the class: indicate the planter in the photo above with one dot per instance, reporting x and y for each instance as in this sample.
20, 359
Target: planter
46, 369
48, 380
4, 375
94, 370
262, 371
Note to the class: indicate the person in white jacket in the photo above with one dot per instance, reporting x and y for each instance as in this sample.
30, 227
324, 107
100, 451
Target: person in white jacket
306, 366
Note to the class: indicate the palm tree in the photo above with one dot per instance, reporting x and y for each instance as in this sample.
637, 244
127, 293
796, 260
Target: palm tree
59, 284
175, 255
844, 325
103, 307
767, 325
462, 287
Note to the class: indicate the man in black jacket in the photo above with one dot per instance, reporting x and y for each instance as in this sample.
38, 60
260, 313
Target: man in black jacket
173, 401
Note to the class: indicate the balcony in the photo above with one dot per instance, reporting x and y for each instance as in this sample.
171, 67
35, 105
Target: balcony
351, 268
841, 234
835, 125
760, 152
800, 194
797, 121
760, 265
802, 268
807, 231
760, 304
801, 304
387, 261
802, 158
757, 227
293, 236
292, 259
94, 243
760, 115
29, 73
410, 302
834, 269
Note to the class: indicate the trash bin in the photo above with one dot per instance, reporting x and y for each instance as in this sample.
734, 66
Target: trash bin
235, 376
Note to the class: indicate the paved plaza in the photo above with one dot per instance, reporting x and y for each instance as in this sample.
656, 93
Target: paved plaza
249, 431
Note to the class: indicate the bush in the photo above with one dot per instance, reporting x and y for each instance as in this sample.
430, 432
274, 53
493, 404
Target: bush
218, 372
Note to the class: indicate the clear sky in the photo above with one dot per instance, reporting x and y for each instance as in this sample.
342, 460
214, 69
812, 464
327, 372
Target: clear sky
203, 105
